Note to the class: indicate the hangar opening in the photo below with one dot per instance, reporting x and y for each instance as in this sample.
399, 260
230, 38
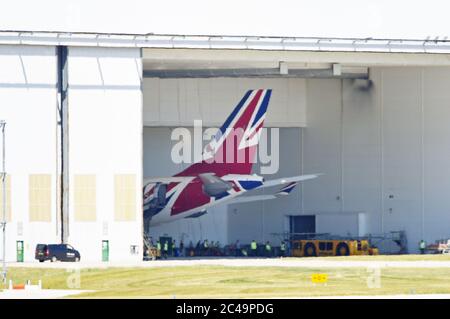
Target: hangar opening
367, 122
178, 90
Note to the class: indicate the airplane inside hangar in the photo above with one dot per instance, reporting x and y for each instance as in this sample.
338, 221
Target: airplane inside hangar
313, 108
337, 109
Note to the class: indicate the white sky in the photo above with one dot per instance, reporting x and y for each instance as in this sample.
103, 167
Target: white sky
315, 18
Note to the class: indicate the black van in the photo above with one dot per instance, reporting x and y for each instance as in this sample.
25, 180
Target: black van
61, 252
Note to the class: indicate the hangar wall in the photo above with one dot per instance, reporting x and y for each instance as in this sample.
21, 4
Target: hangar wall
383, 150
28, 104
105, 120
178, 102
105, 145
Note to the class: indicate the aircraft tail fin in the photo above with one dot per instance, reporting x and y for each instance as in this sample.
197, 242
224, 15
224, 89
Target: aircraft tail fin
233, 148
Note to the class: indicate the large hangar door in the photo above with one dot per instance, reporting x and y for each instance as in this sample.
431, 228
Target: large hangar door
105, 161
302, 225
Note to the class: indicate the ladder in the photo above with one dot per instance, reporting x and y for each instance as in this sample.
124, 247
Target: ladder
147, 241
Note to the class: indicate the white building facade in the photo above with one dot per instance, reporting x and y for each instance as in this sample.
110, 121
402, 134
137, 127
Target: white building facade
382, 143
105, 166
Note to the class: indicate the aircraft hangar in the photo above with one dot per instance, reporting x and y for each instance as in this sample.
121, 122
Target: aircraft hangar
88, 116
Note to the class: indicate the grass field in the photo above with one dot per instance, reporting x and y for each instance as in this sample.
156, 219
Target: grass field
239, 282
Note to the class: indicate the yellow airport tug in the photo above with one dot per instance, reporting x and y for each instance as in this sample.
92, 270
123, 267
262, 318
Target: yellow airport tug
154, 253
332, 247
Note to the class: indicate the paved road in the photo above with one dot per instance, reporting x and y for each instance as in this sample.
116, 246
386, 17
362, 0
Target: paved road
244, 262
54, 294
412, 296
38, 294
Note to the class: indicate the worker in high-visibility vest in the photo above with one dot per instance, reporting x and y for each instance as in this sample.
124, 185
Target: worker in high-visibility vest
422, 246
253, 248
268, 249
283, 248
166, 249
158, 248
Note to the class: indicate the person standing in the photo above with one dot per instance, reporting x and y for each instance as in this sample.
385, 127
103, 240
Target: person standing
283, 249
174, 249
158, 249
205, 247
422, 246
217, 249
288, 248
192, 250
181, 248
268, 249
166, 249
253, 248
198, 248
237, 251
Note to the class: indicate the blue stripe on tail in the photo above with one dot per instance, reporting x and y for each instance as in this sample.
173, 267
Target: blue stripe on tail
263, 107
233, 114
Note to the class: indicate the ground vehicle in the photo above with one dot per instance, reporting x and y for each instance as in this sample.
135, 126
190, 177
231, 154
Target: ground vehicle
332, 247
152, 254
441, 246
57, 252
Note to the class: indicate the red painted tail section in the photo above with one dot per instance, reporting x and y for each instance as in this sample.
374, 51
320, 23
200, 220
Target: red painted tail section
233, 149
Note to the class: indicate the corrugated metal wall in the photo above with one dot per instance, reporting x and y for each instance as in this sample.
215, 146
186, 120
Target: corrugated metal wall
392, 159
178, 102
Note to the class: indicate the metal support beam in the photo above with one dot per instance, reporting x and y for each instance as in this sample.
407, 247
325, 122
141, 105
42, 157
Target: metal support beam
251, 72
64, 126
207, 58
173, 41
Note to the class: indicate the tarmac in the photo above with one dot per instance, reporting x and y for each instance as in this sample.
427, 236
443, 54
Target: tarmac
55, 294
38, 294
241, 262
411, 296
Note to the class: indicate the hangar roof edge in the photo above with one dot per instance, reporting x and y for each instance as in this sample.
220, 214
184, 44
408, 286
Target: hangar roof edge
171, 41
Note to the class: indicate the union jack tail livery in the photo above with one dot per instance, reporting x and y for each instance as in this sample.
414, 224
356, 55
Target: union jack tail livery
223, 174
233, 149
